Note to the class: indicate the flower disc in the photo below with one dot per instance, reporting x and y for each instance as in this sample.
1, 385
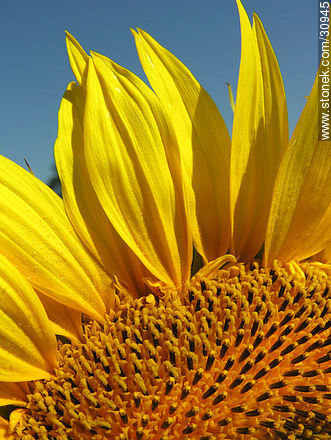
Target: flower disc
242, 354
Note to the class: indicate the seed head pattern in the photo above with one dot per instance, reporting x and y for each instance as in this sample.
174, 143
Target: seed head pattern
242, 354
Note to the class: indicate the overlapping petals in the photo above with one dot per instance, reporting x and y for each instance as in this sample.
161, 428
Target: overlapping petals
126, 156
300, 218
13, 393
108, 181
299, 221
81, 202
37, 237
112, 128
28, 344
204, 144
259, 138
65, 321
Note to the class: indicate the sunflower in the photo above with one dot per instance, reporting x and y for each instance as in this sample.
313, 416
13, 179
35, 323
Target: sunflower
108, 331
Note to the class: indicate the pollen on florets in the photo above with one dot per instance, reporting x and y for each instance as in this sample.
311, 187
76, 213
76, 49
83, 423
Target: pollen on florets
243, 354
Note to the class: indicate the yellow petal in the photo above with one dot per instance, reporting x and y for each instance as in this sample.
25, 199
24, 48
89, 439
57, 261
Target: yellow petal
65, 321
136, 180
77, 57
82, 204
27, 342
15, 417
8, 428
259, 138
204, 142
325, 254
210, 268
300, 219
37, 237
13, 393
4, 430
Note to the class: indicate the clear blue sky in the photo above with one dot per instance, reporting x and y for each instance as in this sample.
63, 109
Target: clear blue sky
204, 34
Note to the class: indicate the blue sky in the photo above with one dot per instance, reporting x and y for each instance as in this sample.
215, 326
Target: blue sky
204, 34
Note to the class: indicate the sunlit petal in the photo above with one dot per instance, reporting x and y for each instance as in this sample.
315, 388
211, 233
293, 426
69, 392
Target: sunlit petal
131, 172
259, 137
27, 342
65, 321
77, 57
36, 235
12, 393
82, 204
300, 218
204, 142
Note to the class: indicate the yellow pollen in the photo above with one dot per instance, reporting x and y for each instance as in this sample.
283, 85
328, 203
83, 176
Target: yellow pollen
243, 354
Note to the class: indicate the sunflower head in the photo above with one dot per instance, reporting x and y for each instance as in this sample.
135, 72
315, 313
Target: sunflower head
124, 315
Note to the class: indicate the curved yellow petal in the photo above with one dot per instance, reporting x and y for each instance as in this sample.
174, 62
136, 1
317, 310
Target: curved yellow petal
300, 219
37, 237
210, 268
77, 57
13, 393
27, 342
259, 138
5, 430
204, 144
64, 320
133, 164
81, 202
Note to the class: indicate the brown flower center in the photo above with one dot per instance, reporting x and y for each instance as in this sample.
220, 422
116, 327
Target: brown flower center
244, 354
